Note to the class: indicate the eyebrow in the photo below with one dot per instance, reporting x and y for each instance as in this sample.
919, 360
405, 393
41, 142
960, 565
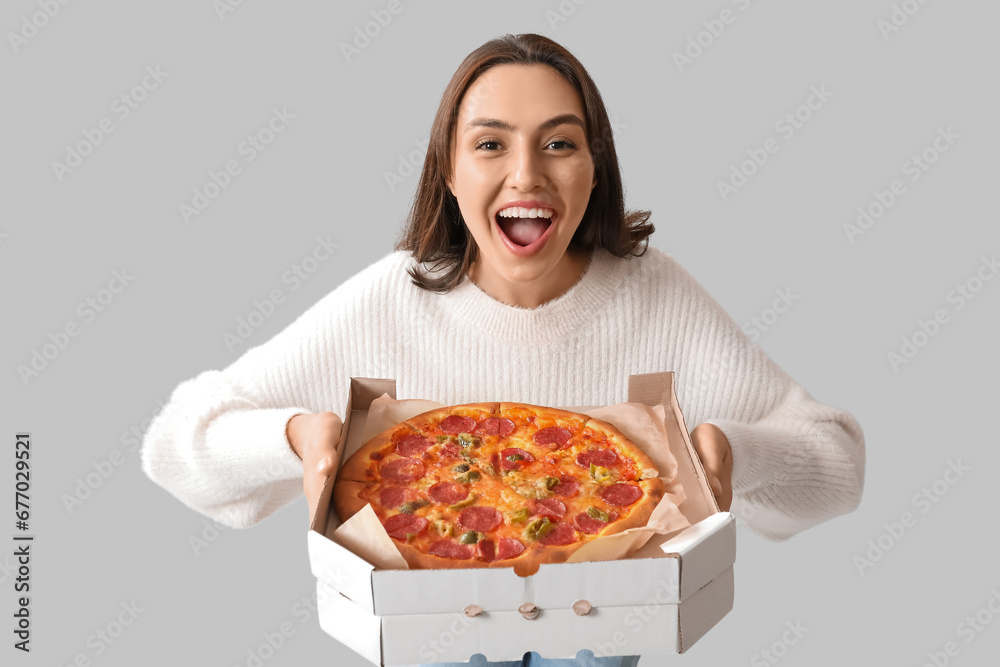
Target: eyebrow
496, 123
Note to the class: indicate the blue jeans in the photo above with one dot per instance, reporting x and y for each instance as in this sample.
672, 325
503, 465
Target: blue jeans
534, 660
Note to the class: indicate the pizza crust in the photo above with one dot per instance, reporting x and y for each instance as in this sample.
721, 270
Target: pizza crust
358, 467
346, 499
544, 413
432, 418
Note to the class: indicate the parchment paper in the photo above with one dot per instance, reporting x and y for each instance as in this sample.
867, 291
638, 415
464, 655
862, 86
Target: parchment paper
643, 424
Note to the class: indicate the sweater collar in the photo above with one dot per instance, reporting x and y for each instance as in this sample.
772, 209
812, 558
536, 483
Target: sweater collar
469, 307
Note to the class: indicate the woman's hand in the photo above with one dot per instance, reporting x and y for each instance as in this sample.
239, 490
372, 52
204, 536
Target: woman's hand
314, 437
717, 459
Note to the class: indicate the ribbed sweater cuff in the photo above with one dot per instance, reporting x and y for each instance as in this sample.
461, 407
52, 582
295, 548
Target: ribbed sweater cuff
751, 445
257, 438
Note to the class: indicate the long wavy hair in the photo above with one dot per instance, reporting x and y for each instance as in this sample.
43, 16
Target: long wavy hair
434, 230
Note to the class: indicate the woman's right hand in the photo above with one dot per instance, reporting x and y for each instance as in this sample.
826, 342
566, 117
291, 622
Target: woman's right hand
314, 437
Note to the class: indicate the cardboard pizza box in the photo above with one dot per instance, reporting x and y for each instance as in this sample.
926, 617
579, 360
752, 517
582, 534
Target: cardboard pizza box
661, 599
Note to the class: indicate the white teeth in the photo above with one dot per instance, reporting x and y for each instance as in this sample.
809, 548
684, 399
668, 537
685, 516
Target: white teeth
516, 212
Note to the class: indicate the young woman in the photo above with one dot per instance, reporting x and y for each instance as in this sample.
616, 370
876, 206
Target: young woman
520, 277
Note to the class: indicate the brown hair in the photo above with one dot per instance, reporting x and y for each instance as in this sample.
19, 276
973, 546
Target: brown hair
434, 231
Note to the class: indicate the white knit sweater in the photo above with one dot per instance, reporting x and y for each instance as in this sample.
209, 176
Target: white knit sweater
219, 445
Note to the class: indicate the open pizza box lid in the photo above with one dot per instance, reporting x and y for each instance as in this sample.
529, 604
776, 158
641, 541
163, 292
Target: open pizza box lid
689, 574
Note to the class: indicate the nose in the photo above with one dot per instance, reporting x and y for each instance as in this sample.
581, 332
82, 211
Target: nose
527, 170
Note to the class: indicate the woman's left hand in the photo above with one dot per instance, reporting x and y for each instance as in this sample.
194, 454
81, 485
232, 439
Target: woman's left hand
717, 459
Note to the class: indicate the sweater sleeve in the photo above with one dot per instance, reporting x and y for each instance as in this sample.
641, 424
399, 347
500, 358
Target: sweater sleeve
220, 446
796, 462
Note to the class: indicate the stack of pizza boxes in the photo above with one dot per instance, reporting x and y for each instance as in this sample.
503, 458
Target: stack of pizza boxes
659, 600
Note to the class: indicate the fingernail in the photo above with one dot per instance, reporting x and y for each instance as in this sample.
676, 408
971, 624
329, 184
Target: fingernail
323, 463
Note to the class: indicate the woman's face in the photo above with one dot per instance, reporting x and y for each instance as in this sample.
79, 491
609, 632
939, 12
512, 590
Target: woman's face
520, 140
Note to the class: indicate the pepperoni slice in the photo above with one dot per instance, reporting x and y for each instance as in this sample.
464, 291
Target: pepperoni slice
622, 495
554, 436
495, 426
448, 493
412, 445
398, 525
403, 471
588, 524
599, 456
486, 549
480, 519
514, 458
567, 487
561, 535
392, 497
456, 424
451, 549
550, 507
509, 548
451, 450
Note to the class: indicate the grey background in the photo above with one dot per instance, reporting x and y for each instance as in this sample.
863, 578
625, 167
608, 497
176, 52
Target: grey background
325, 175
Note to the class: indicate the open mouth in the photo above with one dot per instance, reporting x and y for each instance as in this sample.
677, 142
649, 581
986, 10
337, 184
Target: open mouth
524, 235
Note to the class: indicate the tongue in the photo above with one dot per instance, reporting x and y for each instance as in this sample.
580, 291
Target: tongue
524, 231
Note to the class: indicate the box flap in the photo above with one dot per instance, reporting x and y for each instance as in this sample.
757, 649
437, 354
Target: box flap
360, 631
651, 388
442, 591
706, 549
701, 611
360, 396
341, 569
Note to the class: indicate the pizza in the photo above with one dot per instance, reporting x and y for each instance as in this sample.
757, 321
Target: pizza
498, 485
